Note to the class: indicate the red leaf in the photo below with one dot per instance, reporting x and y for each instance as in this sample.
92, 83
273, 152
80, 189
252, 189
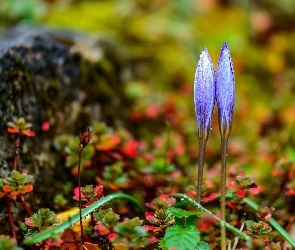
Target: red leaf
150, 216
290, 192
76, 194
254, 191
45, 126
130, 149
108, 142
241, 193
112, 236
12, 130
28, 132
98, 190
152, 111
164, 197
29, 222
102, 229
28, 188
151, 228
209, 198
7, 189
192, 194
204, 225
153, 239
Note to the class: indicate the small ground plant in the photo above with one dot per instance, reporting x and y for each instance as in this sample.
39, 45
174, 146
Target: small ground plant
137, 199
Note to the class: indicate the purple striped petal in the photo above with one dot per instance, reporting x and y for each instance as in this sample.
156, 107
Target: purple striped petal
225, 91
204, 91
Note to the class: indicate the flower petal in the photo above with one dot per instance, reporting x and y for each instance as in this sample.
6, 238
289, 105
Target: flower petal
225, 88
204, 91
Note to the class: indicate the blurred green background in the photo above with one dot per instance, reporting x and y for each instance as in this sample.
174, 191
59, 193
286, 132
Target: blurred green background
165, 39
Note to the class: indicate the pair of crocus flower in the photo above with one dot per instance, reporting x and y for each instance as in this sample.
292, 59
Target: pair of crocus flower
209, 87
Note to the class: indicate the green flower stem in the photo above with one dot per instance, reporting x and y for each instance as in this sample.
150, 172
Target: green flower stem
202, 145
271, 221
221, 222
224, 141
72, 220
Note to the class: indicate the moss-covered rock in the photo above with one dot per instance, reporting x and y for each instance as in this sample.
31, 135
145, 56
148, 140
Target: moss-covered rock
64, 78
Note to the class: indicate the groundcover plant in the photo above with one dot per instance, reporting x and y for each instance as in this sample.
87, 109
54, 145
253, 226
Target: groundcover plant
124, 209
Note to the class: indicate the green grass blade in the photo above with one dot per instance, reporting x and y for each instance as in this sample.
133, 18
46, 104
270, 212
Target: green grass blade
222, 222
72, 220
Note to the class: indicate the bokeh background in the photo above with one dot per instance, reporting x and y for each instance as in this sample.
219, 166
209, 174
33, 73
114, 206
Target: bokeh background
164, 39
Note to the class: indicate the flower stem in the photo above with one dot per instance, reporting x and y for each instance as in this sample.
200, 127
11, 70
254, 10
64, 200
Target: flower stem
79, 187
92, 221
43, 245
224, 141
21, 200
16, 148
8, 205
202, 145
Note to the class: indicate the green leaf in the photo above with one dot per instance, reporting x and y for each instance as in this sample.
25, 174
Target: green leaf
221, 222
162, 244
203, 246
183, 217
181, 238
131, 229
7, 244
72, 220
179, 213
291, 154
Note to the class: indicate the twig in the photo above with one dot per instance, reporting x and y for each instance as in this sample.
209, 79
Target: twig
237, 237
290, 224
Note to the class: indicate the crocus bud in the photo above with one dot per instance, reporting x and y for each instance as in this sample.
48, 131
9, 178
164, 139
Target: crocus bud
225, 91
204, 91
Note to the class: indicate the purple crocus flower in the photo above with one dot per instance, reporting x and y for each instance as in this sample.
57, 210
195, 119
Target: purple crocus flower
225, 88
204, 91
